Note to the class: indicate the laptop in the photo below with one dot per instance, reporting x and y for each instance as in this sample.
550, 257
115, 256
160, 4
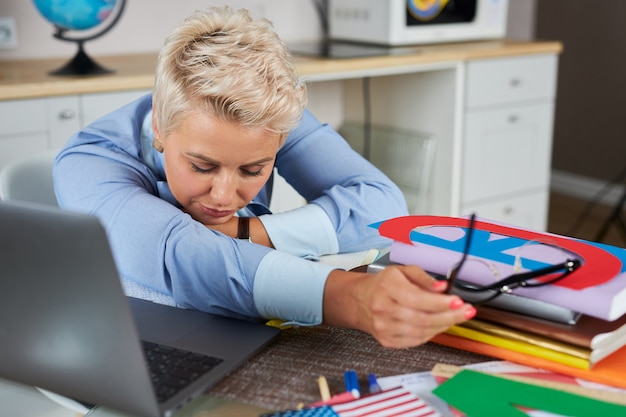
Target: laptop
67, 327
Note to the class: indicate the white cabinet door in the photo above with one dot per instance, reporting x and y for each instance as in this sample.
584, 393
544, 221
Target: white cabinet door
22, 117
97, 105
510, 80
17, 147
64, 119
506, 151
520, 211
35, 125
507, 139
23, 128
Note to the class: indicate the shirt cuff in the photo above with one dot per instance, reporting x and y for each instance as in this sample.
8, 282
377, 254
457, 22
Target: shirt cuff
305, 232
290, 288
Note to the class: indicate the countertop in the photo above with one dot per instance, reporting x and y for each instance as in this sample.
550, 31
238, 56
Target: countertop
22, 79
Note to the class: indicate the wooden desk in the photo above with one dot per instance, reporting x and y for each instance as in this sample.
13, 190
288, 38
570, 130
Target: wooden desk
489, 105
23, 79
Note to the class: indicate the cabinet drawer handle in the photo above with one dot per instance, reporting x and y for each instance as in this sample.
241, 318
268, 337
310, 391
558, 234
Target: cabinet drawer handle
508, 210
67, 114
513, 118
515, 82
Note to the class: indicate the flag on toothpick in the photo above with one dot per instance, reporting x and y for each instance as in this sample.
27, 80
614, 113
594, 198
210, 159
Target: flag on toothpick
393, 402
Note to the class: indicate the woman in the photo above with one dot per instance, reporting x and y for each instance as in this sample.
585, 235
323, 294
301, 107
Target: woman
178, 176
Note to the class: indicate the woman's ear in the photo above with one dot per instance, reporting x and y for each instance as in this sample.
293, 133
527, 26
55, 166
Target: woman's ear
156, 142
281, 141
158, 145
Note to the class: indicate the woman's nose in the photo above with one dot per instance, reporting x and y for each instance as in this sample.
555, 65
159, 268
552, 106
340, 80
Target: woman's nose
223, 189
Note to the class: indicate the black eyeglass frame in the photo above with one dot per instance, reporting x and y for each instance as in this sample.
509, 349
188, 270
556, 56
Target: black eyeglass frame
508, 284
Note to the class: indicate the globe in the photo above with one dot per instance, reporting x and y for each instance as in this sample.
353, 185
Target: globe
75, 14
80, 15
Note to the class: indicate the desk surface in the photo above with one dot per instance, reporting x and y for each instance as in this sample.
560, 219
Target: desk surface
286, 372
30, 79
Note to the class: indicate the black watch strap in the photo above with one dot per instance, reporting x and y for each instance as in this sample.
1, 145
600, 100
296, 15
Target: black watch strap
243, 228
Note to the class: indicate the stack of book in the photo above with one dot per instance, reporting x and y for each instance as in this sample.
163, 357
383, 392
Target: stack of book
580, 345
576, 326
610, 370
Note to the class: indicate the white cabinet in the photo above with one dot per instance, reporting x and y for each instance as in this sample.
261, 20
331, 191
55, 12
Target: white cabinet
23, 125
63, 119
507, 139
491, 115
35, 125
492, 119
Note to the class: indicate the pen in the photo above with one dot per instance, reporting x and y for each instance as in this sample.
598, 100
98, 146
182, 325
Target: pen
352, 383
373, 384
324, 390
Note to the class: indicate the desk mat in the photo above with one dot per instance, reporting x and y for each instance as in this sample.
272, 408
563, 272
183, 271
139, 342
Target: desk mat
285, 373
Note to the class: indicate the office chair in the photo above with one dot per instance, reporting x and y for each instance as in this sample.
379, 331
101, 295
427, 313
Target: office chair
29, 179
407, 157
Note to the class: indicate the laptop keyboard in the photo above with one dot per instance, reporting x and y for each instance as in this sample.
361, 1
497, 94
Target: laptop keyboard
173, 369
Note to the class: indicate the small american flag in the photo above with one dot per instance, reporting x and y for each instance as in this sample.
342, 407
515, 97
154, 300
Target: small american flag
395, 402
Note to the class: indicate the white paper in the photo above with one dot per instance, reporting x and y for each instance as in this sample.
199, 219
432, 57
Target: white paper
351, 260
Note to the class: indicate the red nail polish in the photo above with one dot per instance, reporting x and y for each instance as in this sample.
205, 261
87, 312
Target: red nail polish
439, 284
470, 313
456, 303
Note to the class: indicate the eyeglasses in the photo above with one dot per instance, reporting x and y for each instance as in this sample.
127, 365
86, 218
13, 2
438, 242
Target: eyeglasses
479, 294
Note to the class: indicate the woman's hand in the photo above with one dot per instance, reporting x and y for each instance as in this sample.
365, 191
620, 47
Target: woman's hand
401, 306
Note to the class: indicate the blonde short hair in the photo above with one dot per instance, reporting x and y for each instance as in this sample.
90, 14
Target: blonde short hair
232, 66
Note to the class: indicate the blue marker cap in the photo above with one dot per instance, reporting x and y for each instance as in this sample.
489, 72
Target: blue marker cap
352, 383
373, 384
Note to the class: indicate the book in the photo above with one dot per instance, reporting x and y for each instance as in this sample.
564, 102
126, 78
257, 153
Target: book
422, 383
596, 289
599, 337
610, 371
516, 372
529, 343
443, 371
478, 393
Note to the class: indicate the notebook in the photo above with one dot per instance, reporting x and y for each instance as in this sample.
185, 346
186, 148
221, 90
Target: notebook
67, 327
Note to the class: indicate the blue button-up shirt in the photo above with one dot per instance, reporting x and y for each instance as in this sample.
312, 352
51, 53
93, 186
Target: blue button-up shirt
110, 170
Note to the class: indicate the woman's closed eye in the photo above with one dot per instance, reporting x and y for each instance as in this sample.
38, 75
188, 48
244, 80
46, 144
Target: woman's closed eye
203, 170
252, 172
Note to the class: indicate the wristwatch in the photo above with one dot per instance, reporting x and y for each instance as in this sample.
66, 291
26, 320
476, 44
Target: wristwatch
243, 229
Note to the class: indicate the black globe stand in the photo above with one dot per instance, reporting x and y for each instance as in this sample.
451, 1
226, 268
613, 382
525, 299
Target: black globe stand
81, 64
